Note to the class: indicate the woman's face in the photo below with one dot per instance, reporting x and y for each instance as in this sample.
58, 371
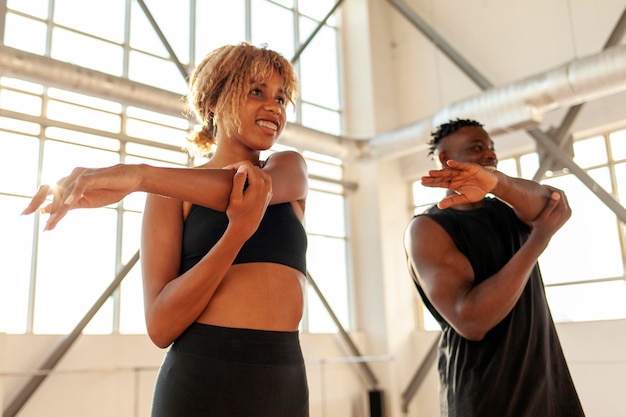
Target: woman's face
262, 115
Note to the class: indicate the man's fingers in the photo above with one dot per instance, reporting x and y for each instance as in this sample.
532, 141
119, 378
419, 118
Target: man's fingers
552, 204
555, 196
451, 200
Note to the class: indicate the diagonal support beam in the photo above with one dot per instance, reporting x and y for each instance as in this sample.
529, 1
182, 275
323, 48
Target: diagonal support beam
546, 141
541, 138
371, 378
442, 44
561, 136
320, 25
420, 375
59, 352
166, 44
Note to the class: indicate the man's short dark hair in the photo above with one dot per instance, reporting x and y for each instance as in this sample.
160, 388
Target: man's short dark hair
448, 128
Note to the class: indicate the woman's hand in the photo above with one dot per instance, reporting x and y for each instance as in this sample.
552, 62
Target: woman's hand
250, 196
84, 188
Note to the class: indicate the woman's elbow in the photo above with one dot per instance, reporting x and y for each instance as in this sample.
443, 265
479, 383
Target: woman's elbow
160, 343
159, 337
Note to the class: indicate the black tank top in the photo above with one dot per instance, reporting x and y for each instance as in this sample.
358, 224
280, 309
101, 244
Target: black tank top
518, 369
280, 238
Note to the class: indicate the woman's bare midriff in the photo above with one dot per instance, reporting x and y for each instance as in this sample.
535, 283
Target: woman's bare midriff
261, 296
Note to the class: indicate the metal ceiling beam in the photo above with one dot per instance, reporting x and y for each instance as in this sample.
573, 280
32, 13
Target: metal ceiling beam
585, 79
518, 105
443, 45
547, 87
561, 137
50, 72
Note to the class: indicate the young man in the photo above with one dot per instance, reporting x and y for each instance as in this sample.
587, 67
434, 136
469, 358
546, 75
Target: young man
475, 267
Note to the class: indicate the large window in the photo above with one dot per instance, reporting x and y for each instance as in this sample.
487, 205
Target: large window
49, 280
583, 266
326, 228
116, 37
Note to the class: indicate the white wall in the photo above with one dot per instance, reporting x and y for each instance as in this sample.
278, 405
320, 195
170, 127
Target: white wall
99, 376
126, 368
596, 354
113, 375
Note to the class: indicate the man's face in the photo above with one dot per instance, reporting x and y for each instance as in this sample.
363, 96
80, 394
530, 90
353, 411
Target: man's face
469, 144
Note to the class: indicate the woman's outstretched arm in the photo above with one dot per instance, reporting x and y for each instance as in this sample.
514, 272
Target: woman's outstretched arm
98, 187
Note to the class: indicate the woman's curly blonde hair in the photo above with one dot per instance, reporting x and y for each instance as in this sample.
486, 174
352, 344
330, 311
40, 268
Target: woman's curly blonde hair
221, 81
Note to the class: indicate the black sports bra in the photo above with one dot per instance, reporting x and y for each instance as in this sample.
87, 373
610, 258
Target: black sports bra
280, 238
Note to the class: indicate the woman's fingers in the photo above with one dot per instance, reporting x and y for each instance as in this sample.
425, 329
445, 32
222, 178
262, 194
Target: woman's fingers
38, 199
58, 206
240, 182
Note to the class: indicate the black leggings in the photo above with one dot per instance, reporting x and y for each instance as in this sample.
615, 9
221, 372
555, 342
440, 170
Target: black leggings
227, 372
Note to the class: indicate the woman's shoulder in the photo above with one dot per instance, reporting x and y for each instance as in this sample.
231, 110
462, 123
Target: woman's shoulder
286, 156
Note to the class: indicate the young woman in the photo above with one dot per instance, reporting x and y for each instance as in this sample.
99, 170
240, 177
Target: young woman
223, 245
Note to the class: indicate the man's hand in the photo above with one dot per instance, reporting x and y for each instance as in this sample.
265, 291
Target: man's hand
470, 182
554, 215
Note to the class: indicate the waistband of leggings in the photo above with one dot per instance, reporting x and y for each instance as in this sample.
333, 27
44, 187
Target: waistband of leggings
240, 345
